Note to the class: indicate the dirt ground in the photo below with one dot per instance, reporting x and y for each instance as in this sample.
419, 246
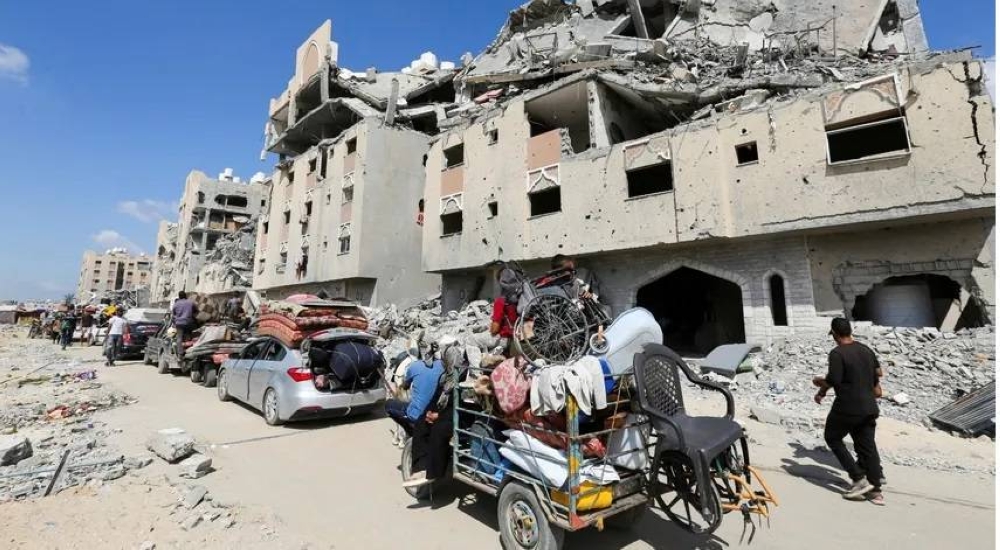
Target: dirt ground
335, 484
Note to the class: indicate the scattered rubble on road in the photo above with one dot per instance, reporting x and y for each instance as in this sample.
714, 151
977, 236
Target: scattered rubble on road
924, 370
48, 405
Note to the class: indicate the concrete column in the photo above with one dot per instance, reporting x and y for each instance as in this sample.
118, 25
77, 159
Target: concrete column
595, 106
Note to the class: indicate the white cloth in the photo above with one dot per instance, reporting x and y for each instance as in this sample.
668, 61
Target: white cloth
584, 380
550, 464
116, 326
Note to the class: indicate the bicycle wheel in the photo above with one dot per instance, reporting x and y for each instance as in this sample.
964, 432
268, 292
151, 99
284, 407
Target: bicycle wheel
552, 328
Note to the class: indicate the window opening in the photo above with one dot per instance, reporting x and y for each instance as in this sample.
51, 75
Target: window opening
454, 156
779, 311
451, 224
648, 180
746, 153
868, 141
548, 201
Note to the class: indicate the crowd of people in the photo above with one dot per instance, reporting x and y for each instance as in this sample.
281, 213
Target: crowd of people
62, 325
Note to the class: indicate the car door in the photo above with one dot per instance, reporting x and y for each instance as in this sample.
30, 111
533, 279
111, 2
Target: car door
239, 374
270, 361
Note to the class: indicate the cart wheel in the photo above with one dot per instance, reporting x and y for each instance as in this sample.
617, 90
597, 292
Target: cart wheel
552, 328
522, 521
196, 374
627, 520
163, 366
682, 502
406, 468
210, 377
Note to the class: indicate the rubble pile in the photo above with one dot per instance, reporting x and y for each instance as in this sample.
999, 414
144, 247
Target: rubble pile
230, 263
686, 60
46, 419
425, 323
924, 369
195, 506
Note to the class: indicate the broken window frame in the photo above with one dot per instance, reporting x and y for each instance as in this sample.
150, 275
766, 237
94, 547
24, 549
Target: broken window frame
492, 137
344, 239
898, 153
448, 165
352, 145
347, 194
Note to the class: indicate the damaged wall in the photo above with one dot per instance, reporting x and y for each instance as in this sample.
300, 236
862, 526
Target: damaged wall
381, 170
847, 265
714, 196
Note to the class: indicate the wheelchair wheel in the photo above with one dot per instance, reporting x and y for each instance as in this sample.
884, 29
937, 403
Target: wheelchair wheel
675, 486
552, 328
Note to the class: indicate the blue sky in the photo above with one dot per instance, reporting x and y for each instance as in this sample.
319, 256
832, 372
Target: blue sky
104, 110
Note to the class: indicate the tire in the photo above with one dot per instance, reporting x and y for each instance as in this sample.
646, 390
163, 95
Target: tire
270, 408
522, 521
211, 377
627, 520
406, 469
162, 365
222, 386
196, 374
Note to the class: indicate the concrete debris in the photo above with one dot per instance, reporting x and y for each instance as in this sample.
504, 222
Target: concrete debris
13, 449
195, 466
171, 444
191, 522
424, 323
147, 545
194, 495
47, 406
924, 370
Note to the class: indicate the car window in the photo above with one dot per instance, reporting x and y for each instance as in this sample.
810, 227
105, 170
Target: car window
276, 352
253, 350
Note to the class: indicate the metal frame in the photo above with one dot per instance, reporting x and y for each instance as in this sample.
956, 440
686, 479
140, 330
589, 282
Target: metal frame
629, 493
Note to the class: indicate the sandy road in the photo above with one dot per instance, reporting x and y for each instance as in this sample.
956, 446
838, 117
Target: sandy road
335, 484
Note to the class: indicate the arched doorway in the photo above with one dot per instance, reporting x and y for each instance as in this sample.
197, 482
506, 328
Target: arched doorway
924, 300
697, 311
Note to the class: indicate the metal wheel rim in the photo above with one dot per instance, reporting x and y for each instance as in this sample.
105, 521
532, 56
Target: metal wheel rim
560, 330
523, 524
220, 384
271, 405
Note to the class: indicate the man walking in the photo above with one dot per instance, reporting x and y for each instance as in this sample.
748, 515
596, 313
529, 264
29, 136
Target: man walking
67, 327
183, 312
87, 322
854, 376
116, 328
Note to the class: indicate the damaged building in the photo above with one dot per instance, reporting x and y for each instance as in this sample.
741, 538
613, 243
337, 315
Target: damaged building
350, 149
744, 170
209, 210
162, 285
108, 274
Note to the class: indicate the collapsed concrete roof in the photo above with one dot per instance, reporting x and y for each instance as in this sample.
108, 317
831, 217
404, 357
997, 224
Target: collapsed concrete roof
677, 57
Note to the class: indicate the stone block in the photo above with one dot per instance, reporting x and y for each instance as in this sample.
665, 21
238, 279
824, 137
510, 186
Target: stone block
171, 444
195, 466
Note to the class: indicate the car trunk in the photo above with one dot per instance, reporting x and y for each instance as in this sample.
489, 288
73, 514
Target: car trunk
345, 363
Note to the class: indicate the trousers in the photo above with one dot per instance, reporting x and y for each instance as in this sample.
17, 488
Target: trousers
396, 410
432, 445
861, 428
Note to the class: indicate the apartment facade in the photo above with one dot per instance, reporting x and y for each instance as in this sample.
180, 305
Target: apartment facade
111, 271
757, 216
341, 220
209, 209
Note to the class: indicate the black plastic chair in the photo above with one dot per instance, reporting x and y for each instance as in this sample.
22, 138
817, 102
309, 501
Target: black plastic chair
686, 445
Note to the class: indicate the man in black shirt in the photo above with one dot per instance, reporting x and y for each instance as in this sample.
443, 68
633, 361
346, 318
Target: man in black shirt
854, 376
